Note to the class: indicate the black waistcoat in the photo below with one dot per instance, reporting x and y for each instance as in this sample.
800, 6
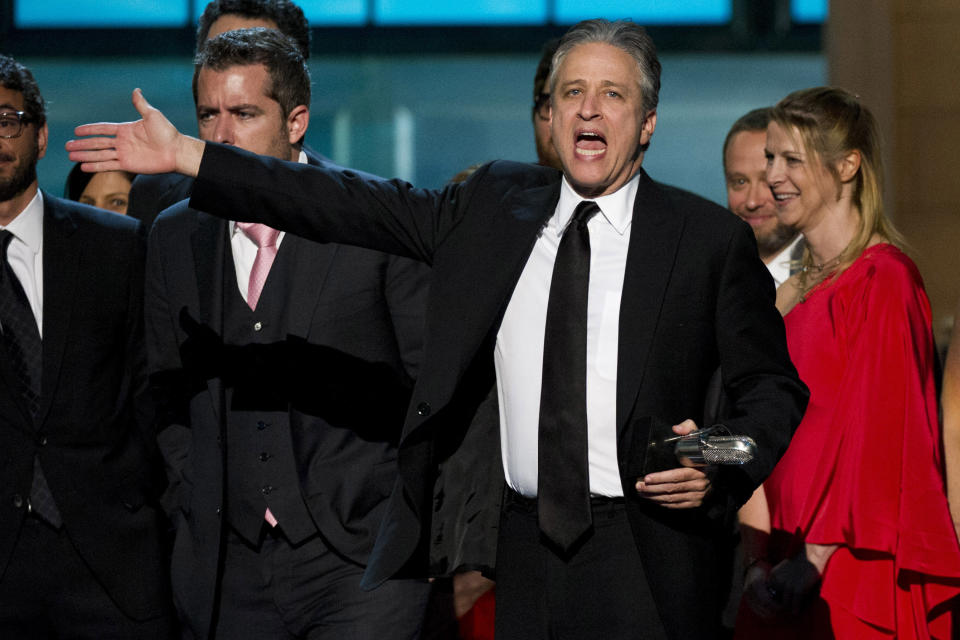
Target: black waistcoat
261, 468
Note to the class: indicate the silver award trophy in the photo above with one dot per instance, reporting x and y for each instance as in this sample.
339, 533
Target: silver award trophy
713, 446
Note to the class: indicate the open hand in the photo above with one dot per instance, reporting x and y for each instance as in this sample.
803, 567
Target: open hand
149, 145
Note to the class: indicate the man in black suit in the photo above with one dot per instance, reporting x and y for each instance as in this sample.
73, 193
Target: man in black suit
80, 550
675, 288
151, 194
280, 484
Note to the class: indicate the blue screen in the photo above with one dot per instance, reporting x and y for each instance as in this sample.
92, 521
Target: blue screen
100, 13
646, 11
478, 12
175, 13
807, 11
322, 13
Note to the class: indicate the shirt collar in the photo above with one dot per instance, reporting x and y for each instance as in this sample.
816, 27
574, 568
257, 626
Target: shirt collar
28, 225
616, 207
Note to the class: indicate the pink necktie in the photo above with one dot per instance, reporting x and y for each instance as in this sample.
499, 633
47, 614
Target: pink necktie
266, 239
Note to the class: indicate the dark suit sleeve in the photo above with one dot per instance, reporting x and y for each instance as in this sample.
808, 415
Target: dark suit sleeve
327, 204
166, 372
767, 398
406, 292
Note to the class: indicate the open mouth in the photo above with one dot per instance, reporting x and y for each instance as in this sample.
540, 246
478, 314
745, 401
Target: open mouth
784, 197
590, 143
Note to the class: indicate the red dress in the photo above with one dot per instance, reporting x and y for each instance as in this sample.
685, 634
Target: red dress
864, 470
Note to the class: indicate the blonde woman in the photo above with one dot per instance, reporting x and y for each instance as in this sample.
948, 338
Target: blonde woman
861, 542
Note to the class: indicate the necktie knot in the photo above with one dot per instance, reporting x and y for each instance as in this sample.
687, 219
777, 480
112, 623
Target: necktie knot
583, 213
261, 234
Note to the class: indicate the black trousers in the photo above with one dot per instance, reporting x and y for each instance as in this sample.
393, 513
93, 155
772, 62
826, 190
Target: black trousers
276, 590
600, 591
49, 592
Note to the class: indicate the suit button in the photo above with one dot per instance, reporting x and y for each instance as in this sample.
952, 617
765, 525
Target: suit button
257, 326
17, 500
266, 489
423, 409
218, 511
42, 439
263, 457
261, 425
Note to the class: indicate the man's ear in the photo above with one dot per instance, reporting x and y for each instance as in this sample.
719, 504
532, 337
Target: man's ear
297, 122
647, 126
848, 166
42, 136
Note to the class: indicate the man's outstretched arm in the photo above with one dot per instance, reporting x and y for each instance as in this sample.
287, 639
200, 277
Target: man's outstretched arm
150, 145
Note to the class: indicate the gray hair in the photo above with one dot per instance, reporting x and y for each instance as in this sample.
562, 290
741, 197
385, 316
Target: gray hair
625, 35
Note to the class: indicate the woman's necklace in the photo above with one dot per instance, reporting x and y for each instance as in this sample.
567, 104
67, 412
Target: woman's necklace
825, 266
813, 274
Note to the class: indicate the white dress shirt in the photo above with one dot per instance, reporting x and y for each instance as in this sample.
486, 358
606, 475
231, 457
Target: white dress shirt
25, 254
519, 350
245, 249
779, 267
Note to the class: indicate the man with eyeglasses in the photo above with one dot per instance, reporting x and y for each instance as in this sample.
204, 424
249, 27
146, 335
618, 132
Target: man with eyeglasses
80, 549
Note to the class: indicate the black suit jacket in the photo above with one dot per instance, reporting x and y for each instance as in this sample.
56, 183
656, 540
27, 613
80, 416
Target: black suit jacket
359, 310
695, 296
92, 434
151, 194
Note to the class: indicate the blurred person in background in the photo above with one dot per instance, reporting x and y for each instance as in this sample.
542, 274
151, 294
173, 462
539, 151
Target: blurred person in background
109, 190
750, 198
546, 152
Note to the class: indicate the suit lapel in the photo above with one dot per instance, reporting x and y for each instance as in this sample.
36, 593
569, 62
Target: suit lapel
209, 252
500, 244
505, 247
61, 267
654, 240
527, 212
312, 258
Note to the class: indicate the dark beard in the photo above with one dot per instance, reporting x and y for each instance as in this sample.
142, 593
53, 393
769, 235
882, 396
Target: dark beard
23, 176
772, 243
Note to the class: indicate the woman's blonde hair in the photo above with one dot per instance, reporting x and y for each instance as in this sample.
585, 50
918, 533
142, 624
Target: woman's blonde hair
831, 123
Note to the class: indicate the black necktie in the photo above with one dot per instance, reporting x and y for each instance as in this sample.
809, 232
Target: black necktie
21, 341
563, 494
20, 334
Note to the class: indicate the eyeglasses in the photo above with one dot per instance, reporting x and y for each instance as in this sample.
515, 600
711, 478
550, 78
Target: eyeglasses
541, 106
11, 123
